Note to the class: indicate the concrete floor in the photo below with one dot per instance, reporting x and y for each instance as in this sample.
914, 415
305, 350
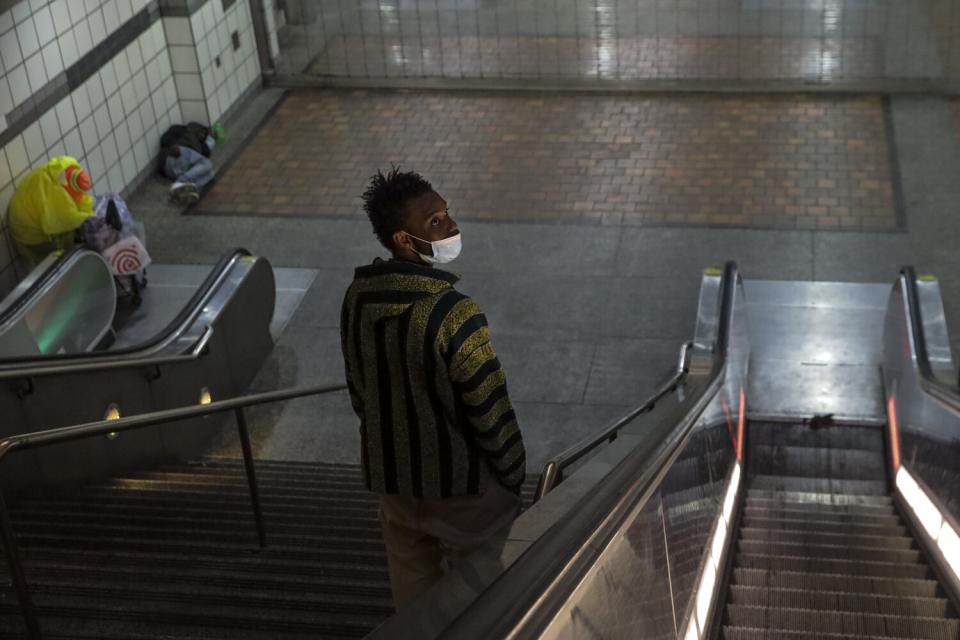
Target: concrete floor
587, 319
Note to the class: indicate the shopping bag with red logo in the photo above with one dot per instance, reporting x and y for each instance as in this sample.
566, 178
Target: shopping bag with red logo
127, 257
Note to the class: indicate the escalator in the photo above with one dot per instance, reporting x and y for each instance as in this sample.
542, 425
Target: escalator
821, 548
63, 335
804, 484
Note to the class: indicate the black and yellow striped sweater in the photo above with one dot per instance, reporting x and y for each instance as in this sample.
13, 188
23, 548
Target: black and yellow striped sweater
435, 417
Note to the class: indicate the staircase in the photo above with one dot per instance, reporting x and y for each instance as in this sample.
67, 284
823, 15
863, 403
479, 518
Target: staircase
173, 553
822, 553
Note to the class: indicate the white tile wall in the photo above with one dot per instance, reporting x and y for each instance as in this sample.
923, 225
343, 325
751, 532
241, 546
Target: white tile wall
112, 124
237, 70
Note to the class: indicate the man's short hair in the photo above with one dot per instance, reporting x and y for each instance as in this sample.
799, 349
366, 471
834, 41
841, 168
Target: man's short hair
386, 200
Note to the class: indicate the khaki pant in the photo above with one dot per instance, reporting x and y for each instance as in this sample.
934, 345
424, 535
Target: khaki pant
424, 538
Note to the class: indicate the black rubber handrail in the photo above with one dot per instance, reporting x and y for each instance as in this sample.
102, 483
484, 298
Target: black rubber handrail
189, 309
945, 393
522, 600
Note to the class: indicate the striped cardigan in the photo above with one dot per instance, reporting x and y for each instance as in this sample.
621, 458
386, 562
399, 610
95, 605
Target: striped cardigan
435, 417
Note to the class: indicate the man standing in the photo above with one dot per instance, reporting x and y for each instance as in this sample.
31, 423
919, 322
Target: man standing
439, 437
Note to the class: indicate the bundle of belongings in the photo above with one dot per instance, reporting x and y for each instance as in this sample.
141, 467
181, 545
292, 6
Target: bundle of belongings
184, 158
53, 209
47, 208
121, 240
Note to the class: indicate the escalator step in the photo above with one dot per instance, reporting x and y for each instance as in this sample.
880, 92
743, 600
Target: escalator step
817, 507
879, 519
816, 462
842, 552
810, 620
829, 565
787, 536
823, 526
744, 633
832, 437
839, 601
825, 498
781, 579
819, 485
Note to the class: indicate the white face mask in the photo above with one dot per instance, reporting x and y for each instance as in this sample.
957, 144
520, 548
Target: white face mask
445, 250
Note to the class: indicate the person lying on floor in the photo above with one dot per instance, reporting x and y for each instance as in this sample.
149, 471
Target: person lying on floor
190, 172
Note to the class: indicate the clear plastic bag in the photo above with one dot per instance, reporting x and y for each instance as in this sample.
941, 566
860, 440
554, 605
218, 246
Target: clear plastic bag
100, 231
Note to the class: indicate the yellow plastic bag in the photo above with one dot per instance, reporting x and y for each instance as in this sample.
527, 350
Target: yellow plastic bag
42, 208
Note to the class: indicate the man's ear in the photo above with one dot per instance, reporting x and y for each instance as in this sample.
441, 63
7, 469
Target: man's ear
401, 240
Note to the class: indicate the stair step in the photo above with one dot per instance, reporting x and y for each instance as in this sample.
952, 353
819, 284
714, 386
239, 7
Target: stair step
196, 518
258, 580
788, 536
818, 485
131, 590
164, 532
812, 580
819, 525
842, 552
167, 622
235, 491
213, 503
810, 620
308, 551
832, 565
266, 562
840, 601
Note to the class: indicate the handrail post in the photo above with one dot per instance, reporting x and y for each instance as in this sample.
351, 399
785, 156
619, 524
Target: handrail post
547, 480
8, 539
251, 474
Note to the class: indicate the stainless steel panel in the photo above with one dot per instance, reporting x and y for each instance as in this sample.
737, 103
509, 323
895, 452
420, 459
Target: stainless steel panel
827, 295
644, 582
783, 389
935, 329
929, 430
816, 348
69, 314
628, 594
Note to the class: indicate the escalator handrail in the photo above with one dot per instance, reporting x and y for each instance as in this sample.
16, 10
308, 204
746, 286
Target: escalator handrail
31, 366
198, 350
525, 596
62, 260
553, 469
948, 395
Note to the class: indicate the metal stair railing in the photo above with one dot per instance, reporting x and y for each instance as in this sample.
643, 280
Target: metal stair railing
553, 469
64, 434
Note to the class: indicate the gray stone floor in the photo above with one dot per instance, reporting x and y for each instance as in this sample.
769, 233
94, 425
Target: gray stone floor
587, 319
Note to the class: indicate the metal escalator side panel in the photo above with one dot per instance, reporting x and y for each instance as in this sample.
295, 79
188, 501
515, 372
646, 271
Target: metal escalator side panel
240, 309
923, 435
67, 307
165, 340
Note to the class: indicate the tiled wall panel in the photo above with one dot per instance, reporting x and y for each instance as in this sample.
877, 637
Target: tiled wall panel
102, 79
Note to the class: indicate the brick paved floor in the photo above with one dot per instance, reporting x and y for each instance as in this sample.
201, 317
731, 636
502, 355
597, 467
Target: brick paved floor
794, 162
